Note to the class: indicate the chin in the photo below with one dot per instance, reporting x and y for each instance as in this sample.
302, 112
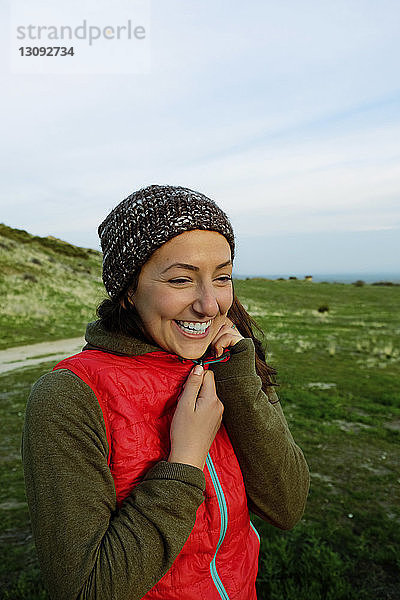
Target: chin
193, 354
187, 347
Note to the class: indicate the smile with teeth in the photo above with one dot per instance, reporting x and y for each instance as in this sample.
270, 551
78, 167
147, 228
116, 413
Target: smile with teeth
193, 327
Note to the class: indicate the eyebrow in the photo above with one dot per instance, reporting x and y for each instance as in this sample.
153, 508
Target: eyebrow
193, 268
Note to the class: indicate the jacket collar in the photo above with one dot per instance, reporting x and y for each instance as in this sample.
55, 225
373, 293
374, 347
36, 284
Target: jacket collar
98, 338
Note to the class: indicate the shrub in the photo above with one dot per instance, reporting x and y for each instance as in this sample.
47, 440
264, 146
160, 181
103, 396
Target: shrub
359, 283
61, 247
323, 308
29, 277
18, 235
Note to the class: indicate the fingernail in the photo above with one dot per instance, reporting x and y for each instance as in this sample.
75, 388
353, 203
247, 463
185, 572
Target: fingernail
198, 370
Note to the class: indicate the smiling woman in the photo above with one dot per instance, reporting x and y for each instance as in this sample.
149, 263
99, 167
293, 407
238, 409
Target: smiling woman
144, 453
183, 305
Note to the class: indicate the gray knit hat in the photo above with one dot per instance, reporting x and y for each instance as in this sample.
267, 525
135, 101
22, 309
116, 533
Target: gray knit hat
147, 219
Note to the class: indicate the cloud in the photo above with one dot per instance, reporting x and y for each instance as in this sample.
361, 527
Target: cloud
286, 114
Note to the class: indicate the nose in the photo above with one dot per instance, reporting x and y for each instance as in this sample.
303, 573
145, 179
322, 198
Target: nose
206, 303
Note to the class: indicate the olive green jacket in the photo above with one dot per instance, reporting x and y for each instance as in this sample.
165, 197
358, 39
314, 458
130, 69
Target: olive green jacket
90, 549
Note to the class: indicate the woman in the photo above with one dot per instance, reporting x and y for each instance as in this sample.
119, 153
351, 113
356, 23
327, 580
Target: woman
144, 453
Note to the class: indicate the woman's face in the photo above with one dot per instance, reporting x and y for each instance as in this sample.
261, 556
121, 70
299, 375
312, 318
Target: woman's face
185, 291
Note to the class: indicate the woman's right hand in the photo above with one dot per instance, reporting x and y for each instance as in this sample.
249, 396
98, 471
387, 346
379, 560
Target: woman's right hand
197, 418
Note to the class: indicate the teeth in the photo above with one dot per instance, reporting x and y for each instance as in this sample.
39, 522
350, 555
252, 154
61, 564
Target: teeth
194, 327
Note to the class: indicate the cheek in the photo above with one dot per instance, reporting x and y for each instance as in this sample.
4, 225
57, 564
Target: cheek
226, 300
167, 306
175, 303
149, 309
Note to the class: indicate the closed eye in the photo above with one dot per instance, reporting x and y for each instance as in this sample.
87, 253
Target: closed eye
179, 280
183, 280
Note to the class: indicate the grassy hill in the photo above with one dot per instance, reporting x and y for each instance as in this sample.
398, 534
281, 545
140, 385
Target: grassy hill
49, 288
336, 349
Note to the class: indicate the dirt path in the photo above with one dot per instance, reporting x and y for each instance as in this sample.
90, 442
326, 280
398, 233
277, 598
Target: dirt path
26, 356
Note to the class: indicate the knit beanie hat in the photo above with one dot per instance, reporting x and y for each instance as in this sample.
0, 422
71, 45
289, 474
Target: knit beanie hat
147, 219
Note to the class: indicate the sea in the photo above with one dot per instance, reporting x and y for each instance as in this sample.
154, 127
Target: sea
330, 277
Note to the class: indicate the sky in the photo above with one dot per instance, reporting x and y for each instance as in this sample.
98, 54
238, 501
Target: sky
285, 113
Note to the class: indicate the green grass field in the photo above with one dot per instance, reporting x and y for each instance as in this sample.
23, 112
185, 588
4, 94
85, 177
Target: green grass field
49, 288
339, 386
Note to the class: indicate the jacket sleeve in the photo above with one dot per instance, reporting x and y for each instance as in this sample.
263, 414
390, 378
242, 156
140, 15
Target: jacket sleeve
87, 548
274, 469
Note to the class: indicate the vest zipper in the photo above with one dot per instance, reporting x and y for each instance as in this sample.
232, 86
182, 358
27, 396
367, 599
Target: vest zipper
255, 531
224, 524
218, 489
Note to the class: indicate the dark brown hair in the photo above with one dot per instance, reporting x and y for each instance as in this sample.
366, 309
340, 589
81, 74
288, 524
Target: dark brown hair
120, 315
246, 326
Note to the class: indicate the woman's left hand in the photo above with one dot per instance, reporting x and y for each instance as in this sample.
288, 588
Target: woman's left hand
227, 336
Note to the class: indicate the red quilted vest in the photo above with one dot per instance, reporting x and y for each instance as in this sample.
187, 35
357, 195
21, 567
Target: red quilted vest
138, 396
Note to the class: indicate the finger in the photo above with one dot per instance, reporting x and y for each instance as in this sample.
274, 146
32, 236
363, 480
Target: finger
208, 382
223, 342
226, 328
193, 383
